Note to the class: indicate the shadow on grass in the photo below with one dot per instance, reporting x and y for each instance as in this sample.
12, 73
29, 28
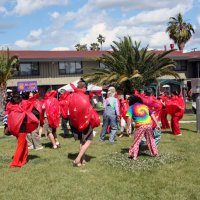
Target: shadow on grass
107, 136
186, 129
6, 136
124, 150
47, 145
32, 157
69, 135
167, 132
170, 132
72, 156
143, 151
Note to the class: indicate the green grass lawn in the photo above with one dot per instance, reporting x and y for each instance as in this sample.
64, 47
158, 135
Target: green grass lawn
188, 117
108, 174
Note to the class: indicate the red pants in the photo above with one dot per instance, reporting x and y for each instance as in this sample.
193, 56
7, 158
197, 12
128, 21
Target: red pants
175, 125
164, 121
21, 153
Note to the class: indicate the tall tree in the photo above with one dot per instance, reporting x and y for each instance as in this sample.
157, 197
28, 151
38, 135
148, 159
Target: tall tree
101, 39
179, 31
94, 47
81, 47
130, 67
8, 65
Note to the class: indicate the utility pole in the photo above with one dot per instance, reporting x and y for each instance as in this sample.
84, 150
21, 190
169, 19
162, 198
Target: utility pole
196, 89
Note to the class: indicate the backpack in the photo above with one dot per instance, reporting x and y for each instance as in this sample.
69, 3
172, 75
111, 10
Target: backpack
79, 110
52, 111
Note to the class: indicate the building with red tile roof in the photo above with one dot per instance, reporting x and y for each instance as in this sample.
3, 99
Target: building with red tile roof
53, 69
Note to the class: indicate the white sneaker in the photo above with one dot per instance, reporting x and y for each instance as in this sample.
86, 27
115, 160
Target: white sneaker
31, 147
58, 145
39, 148
94, 133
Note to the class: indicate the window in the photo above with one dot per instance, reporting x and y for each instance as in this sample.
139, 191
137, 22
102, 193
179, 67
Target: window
70, 68
181, 65
29, 69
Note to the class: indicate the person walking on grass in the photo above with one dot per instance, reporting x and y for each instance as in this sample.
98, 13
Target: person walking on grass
21, 120
83, 118
164, 121
33, 138
51, 117
140, 114
64, 111
111, 116
178, 113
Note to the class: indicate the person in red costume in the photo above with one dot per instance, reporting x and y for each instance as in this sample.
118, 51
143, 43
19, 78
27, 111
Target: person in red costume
178, 112
51, 117
21, 121
83, 118
124, 105
164, 121
64, 111
33, 138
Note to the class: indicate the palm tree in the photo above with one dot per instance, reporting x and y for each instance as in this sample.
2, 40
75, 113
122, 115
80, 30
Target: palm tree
81, 47
94, 47
130, 67
101, 39
8, 65
179, 31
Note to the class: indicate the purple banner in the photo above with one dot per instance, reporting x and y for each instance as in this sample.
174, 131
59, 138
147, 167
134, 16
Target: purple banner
27, 86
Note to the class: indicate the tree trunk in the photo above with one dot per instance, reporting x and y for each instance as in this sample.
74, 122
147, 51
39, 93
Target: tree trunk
2, 99
181, 46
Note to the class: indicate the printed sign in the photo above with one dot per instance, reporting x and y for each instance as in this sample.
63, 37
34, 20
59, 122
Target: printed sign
27, 86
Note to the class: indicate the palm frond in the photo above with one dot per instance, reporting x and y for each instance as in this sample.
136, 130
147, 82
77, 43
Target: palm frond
129, 65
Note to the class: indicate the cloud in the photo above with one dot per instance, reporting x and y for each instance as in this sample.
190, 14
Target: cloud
83, 18
146, 22
195, 40
155, 16
7, 25
62, 37
3, 10
33, 39
25, 44
10, 46
49, 37
24, 7
142, 4
159, 39
101, 28
198, 19
55, 15
60, 49
147, 26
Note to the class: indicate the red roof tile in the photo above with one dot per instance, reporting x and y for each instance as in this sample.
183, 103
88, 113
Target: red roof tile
57, 54
193, 54
172, 54
48, 55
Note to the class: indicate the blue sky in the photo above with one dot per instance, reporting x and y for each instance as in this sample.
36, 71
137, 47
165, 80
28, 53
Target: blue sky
61, 24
